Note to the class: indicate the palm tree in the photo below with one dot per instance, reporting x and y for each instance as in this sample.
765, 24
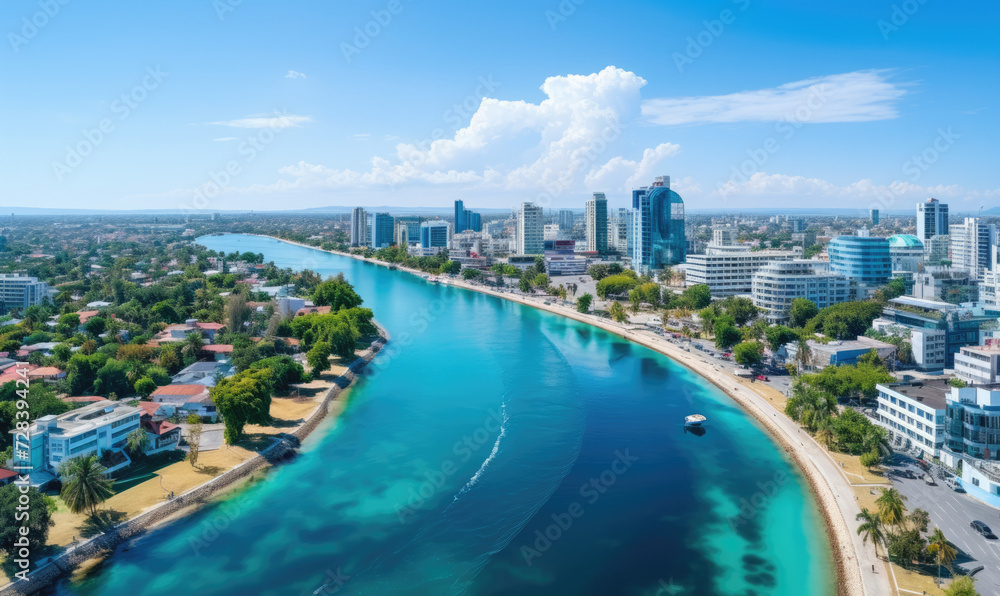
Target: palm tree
920, 518
802, 355
617, 312
824, 437
85, 485
876, 439
941, 550
193, 345
891, 508
871, 528
137, 442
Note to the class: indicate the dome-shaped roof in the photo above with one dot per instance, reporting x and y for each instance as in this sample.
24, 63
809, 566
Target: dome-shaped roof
905, 241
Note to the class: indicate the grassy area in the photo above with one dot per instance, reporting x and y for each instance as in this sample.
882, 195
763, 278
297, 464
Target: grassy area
857, 473
912, 581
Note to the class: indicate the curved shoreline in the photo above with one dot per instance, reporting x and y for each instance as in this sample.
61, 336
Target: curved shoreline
192, 500
820, 474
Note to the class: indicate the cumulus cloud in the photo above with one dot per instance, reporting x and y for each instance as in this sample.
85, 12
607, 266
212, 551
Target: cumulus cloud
559, 145
861, 96
294, 74
273, 121
863, 193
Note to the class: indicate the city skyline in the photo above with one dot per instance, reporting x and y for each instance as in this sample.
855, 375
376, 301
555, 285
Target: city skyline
900, 100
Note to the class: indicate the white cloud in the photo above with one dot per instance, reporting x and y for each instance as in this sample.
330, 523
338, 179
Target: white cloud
554, 146
778, 188
362, 136
225, 139
861, 96
294, 74
273, 121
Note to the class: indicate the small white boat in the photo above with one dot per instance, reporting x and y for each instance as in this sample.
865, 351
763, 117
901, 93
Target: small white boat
694, 420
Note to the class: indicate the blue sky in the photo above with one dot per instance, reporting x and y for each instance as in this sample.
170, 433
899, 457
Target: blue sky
742, 103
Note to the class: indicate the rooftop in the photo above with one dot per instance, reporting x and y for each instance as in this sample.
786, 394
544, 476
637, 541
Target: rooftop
88, 417
905, 241
860, 343
922, 303
933, 394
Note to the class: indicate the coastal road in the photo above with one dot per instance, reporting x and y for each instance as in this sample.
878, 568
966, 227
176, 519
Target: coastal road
953, 512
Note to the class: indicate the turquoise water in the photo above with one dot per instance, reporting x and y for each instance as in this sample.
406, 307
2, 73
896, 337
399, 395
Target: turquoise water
497, 449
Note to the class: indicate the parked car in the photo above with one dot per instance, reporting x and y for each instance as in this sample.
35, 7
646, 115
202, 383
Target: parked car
929, 479
762, 378
957, 487
982, 529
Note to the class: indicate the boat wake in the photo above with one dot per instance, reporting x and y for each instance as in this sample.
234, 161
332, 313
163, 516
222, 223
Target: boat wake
489, 459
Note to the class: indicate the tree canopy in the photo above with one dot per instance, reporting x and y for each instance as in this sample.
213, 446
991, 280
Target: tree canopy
244, 398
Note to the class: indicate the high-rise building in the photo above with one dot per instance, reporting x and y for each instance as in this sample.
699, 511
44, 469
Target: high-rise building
597, 223
728, 270
906, 252
565, 219
972, 245
932, 219
474, 221
864, 259
936, 249
460, 223
530, 230
658, 230
726, 235
435, 234
618, 228
381, 231
18, 291
359, 227
777, 284
874, 216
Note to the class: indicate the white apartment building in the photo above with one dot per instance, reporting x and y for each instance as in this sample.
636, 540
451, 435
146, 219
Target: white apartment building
979, 365
972, 245
98, 427
530, 230
989, 289
359, 227
596, 222
930, 346
777, 284
936, 249
728, 270
619, 225
18, 291
725, 235
914, 414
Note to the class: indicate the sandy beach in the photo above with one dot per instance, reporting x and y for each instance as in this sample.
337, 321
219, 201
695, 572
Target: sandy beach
835, 498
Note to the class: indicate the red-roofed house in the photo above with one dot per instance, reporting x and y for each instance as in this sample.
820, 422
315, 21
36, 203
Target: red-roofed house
152, 410
323, 310
220, 350
6, 476
46, 373
163, 436
186, 399
15, 372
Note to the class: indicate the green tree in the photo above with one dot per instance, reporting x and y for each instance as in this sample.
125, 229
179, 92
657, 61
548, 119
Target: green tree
95, 326
749, 353
244, 398
870, 459
583, 303
726, 334
85, 484
193, 438
919, 519
905, 547
319, 357
616, 286
891, 508
780, 335
525, 284
870, 528
697, 297
940, 550
137, 442
962, 586
145, 386
37, 521
336, 293
742, 310
802, 311
617, 312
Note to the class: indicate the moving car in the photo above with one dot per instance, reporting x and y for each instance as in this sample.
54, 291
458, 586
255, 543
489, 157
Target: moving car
982, 529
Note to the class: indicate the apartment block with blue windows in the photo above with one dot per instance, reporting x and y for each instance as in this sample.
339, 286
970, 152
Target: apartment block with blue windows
864, 259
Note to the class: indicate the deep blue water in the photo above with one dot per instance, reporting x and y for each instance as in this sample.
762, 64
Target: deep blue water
497, 449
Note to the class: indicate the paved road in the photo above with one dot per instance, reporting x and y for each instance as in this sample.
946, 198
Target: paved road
952, 512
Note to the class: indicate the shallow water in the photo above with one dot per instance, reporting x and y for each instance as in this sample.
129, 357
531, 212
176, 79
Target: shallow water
497, 449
